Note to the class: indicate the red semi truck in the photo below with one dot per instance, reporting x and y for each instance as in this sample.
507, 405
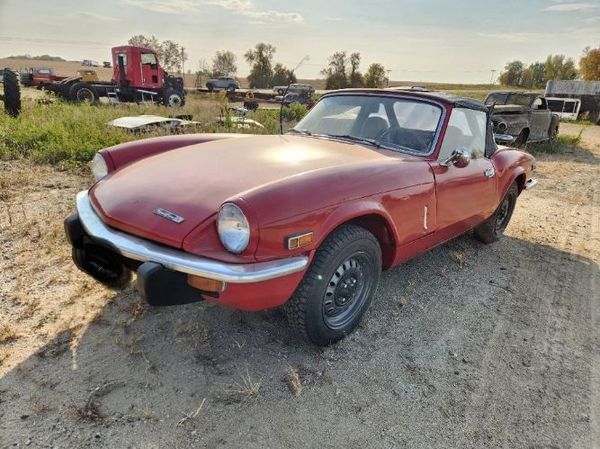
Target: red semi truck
137, 77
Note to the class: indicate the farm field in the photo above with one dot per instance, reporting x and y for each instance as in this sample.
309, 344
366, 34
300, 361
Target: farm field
467, 346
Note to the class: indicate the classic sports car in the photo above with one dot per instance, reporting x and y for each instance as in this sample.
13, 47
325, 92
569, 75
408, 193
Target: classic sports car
366, 181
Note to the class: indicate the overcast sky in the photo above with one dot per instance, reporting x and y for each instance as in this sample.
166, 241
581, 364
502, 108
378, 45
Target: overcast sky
420, 40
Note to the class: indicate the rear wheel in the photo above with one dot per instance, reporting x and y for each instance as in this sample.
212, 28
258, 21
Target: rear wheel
12, 93
493, 228
553, 133
338, 287
83, 93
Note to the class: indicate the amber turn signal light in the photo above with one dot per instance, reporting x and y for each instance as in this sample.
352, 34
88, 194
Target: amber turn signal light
299, 241
206, 285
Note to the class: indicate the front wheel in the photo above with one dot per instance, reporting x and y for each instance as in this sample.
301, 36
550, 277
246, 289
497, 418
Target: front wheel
338, 287
493, 228
173, 99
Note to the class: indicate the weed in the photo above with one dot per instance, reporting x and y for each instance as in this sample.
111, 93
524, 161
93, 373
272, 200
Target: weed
248, 387
292, 379
562, 144
8, 334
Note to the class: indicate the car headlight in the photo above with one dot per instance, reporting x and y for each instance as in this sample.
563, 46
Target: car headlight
233, 228
99, 167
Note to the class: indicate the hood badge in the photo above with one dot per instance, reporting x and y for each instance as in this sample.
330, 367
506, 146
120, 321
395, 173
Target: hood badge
169, 215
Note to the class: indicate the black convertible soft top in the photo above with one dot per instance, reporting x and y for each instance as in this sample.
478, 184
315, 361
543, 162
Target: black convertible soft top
460, 102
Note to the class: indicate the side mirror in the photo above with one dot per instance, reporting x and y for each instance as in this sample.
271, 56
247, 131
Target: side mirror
460, 158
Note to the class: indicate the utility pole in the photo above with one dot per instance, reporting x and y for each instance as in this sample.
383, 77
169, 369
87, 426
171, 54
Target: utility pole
492, 78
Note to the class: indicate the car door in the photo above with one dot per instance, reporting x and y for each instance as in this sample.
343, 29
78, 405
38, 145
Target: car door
150, 71
466, 196
540, 117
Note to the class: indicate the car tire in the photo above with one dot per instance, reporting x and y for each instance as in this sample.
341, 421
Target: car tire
553, 134
210, 87
83, 93
12, 93
493, 228
280, 91
338, 287
231, 89
173, 99
522, 137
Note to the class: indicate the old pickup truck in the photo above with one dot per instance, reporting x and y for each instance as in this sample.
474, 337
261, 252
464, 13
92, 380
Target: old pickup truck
524, 116
369, 179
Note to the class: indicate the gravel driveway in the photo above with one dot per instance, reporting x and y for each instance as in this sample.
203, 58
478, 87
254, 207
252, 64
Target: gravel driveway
469, 346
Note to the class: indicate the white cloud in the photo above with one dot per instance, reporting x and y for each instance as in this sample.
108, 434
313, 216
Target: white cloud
94, 16
569, 7
242, 7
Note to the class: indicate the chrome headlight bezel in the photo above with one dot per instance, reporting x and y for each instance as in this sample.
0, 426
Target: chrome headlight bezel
233, 228
99, 167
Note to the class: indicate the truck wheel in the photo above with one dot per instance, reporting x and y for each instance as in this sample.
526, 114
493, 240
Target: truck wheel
173, 99
522, 137
491, 229
83, 93
553, 134
12, 93
338, 287
210, 87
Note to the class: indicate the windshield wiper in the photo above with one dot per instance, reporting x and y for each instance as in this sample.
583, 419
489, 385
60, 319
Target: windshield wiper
304, 132
355, 139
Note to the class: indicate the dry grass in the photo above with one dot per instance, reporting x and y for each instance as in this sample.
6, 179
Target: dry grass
247, 386
459, 256
292, 379
8, 334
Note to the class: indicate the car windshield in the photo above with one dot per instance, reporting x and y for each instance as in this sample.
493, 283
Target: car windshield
384, 121
508, 98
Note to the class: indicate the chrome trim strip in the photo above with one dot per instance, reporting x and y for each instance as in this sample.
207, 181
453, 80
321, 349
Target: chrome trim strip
144, 250
530, 184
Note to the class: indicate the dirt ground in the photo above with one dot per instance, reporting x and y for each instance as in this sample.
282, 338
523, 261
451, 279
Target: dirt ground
469, 346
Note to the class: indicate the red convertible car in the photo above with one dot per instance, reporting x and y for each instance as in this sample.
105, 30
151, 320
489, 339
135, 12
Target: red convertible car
366, 181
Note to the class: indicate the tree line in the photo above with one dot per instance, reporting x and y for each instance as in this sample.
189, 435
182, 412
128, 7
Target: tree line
342, 70
555, 67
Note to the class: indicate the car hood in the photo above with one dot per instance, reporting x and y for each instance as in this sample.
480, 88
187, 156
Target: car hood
192, 182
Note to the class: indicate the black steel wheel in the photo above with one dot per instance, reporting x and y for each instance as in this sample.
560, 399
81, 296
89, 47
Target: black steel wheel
83, 93
12, 93
173, 98
493, 228
338, 287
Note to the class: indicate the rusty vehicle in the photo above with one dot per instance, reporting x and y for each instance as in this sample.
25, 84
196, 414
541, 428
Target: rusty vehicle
39, 76
367, 180
137, 77
524, 116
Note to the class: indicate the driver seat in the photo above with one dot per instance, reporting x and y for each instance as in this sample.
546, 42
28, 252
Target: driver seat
373, 127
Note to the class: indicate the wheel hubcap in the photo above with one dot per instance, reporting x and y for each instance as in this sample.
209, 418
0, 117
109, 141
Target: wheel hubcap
346, 291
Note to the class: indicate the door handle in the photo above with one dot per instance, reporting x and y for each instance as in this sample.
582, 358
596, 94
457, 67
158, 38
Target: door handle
489, 172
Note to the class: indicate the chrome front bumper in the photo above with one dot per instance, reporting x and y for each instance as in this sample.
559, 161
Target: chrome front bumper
143, 250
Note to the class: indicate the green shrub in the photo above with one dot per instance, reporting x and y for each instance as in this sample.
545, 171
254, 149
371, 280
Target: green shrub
561, 144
